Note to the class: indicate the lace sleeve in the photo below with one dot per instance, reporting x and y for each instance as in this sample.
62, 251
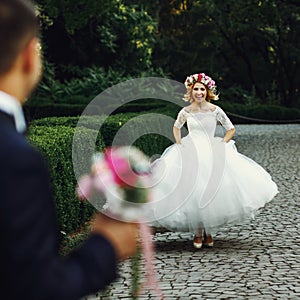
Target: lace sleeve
181, 119
223, 119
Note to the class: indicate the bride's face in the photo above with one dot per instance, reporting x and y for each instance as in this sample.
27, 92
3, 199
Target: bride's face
199, 92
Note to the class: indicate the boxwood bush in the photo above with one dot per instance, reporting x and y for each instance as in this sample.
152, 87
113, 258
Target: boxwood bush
56, 145
150, 143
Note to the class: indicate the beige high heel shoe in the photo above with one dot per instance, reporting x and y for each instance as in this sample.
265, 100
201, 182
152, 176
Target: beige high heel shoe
208, 240
197, 242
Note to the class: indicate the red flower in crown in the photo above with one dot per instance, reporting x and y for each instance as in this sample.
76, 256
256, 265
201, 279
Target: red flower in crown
200, 76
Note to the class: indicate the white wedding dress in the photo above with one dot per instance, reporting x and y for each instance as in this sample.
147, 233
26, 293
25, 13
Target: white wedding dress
205, 182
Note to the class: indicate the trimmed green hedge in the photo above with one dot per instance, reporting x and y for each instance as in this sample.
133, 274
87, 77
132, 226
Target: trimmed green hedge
56, 121
150, 144
108, 129
56, 145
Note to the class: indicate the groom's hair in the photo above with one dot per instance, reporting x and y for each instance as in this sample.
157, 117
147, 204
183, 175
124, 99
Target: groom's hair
18, 25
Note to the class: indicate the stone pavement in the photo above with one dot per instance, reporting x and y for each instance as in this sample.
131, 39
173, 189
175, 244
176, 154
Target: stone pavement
259, 259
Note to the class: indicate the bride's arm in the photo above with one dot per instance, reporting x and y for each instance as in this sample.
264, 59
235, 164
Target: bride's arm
181, 119
226, 123
177, 135
229, 135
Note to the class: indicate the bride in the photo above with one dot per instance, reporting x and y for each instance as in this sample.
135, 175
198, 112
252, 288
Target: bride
202, 181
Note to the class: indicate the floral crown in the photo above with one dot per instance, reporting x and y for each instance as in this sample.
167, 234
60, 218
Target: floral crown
202, 78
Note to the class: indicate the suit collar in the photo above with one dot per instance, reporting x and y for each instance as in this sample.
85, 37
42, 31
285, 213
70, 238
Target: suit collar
10, 106
7, 119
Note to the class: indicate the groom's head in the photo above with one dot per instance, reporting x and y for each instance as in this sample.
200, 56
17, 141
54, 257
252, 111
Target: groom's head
19, 46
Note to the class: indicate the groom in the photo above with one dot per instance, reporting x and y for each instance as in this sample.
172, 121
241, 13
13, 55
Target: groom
30, 265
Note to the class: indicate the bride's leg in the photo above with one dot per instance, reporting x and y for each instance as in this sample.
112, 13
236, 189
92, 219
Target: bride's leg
197, 242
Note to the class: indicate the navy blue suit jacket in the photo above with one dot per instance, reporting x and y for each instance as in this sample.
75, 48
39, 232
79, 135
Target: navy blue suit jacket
30, 266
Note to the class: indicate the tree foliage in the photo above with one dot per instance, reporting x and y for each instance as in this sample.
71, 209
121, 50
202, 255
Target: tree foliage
252, 44
104, 33
248, 45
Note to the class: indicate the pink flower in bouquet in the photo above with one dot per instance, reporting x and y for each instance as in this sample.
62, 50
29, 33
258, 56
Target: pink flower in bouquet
121, 169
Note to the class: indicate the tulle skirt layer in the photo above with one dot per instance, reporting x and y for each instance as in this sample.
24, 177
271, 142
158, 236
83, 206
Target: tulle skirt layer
206, 183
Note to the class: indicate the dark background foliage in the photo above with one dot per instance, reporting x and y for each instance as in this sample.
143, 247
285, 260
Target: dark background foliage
247, 46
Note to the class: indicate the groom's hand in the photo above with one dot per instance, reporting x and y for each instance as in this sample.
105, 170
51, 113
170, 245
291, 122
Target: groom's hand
123, 236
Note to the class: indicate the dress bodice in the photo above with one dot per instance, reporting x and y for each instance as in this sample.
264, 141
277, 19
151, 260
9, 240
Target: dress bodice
203, 122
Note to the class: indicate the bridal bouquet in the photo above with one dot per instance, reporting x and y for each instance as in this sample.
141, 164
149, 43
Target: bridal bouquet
122, 176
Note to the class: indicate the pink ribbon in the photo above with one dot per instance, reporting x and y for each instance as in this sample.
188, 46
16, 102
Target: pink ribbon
148, 254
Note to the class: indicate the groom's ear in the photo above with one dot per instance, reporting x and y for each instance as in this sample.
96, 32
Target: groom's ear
31, 61
30, 56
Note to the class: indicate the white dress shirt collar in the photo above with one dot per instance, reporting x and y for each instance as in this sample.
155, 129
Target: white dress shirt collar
11, 106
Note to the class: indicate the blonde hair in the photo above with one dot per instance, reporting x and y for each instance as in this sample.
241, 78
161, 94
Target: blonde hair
210, 95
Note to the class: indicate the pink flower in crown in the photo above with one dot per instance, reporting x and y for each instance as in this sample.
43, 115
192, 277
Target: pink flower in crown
211, 84
206, 79
122, 173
